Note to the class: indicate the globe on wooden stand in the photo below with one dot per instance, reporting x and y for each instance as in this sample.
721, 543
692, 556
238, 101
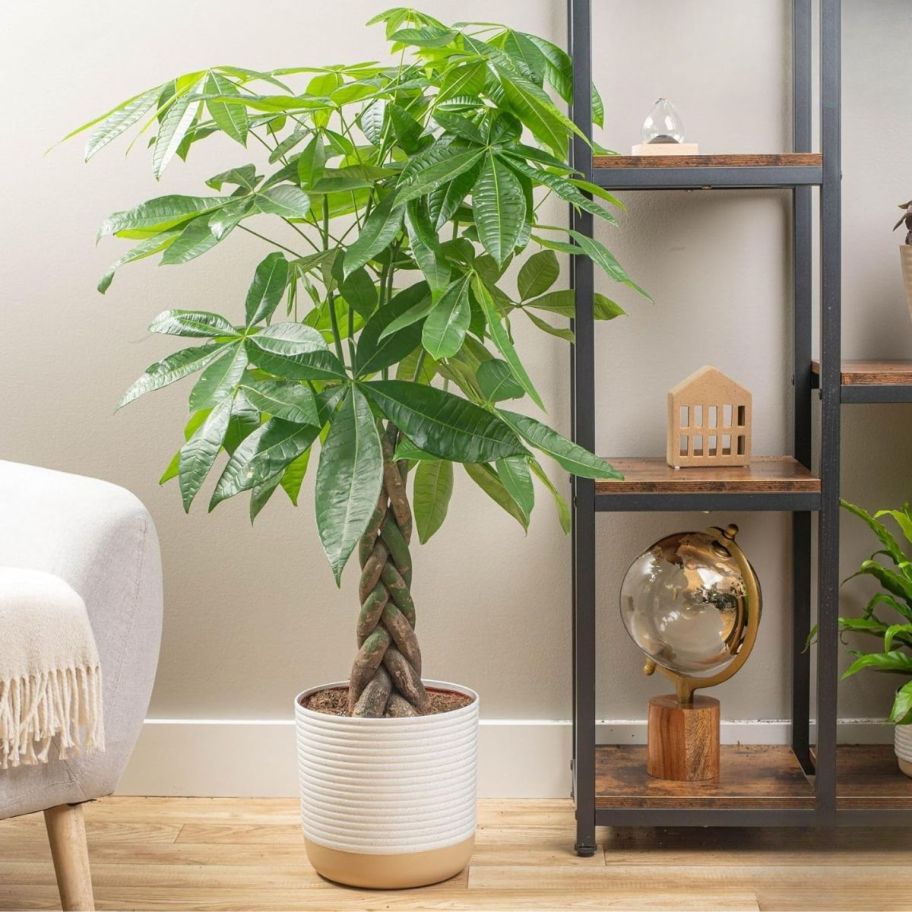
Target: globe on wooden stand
691, 602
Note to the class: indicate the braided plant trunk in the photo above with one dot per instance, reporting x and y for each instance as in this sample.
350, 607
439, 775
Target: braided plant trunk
386, 676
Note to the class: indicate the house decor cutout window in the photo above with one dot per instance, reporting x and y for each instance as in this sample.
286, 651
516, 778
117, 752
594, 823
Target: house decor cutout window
709, 421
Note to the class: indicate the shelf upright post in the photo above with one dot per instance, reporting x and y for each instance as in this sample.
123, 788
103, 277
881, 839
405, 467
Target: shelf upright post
583, 430
830, 370
802, 269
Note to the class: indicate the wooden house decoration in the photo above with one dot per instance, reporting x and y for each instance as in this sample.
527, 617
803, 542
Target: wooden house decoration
709, 421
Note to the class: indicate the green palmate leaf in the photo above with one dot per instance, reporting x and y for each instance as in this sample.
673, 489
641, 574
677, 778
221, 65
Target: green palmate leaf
282, 399
172, 130
438, 165
502, 340
561, 302
446, 325
197, 455
120, 120
500, 208
537, 274
377, 349
143, 249
893, 582
349, 478
460, 126
267, 288
244, 176
433, 488
288, 339
295, 354
561, 186
489, 482
232, 119
879, 529
262, 457
571, 456
899, 632
445, 200
514, 474
379, 230
560, 502
442, 424
605, 309
902, 518
175, 367
606, 260
417, 367
536, 110
226, 219
219, 379
194, 423
193, 323
426, 248
260, 495
160, 214
293, 476
496, 381
893, 662
360, 292
312, 161
559, 331
284, 200
195, 240
901, 713
467, 79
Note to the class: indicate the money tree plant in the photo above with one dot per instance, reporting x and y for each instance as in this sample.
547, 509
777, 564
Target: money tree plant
380, 326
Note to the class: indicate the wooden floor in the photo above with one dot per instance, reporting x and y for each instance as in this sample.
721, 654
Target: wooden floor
221, 854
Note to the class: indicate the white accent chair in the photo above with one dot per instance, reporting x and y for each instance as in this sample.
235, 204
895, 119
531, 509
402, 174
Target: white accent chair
99, 539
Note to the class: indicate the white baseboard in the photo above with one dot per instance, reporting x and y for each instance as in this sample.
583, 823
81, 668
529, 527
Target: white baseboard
519, 759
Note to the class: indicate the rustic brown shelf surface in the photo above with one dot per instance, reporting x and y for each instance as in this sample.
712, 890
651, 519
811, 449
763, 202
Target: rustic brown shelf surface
789, 159
867, 777
873, 373
765, 474
752, 776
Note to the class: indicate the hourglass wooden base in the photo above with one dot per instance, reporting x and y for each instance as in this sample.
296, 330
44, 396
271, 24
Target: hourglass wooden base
683, 739
665, 149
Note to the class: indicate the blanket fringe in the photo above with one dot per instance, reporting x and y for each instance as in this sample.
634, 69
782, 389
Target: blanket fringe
61, 708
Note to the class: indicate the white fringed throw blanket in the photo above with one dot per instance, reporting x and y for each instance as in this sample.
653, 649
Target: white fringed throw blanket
50, 677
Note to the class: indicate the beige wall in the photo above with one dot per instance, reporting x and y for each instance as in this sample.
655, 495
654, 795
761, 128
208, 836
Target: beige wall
252, 613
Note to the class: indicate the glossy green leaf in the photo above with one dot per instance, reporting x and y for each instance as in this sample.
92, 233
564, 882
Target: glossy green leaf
560, 502
293, 477
499, 206
502, 340
360, 292
447, 323
219, 379
561, 302
377, 349
161, 213
312, 161
120, 120
381, 226
349, 478
468, 79
489, 481
445, 200
284, 200
295, 352
516, 478
282, 399
901, 713
561, 186
260, 496
140, 251
232, 119
496, 381
537, 274
433, 488
437, 165
560, 332
193, 323
198, 454
442, 424
244, 176
170, 369
574, 458
605, 259
263, 456
605, 309
536, 110
267, 288
426, 248
174, 126
196, 239
894, 662
879, 529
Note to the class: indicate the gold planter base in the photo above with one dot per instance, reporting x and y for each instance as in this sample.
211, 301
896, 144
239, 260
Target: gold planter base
905, 766
390, 872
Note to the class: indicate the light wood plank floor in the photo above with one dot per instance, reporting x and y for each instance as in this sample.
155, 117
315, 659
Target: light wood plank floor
247, 854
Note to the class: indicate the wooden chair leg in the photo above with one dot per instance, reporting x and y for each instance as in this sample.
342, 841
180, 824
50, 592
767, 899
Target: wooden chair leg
67, 836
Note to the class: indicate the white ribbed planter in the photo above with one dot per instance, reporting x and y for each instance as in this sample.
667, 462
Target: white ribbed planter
902, 742
905, 254
388, 803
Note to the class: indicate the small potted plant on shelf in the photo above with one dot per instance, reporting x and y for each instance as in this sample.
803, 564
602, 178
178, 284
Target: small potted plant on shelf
379, 330
891, 566
905, 250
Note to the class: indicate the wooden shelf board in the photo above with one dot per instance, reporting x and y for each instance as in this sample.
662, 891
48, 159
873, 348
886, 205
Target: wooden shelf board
766, 474
752, 776
873, 372
867, 777
786, 160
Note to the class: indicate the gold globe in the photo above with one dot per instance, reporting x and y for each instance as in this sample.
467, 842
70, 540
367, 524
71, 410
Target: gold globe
691, 603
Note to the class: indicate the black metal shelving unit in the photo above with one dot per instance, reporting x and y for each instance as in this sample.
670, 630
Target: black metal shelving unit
808, 775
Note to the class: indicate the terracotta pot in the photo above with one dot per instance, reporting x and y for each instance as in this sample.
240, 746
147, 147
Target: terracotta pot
905, 255
388, 803
902, 741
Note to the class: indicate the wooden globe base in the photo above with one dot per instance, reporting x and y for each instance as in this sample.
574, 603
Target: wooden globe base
683, 739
